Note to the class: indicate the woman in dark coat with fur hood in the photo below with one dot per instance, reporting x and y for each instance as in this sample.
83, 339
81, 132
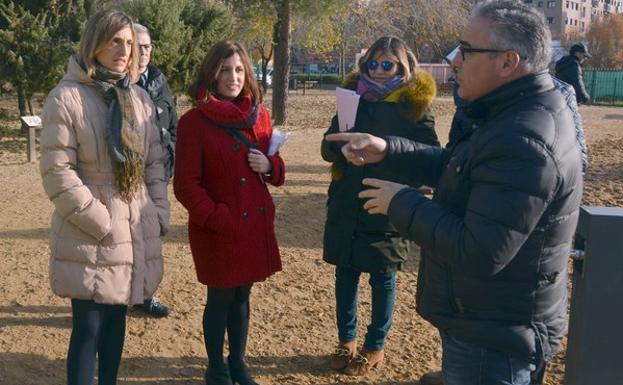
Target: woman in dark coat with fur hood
395, 100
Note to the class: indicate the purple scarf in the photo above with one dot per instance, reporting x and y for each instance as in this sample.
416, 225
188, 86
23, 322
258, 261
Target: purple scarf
373, 91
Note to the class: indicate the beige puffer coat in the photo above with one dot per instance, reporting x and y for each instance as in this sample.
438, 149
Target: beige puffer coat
102, 248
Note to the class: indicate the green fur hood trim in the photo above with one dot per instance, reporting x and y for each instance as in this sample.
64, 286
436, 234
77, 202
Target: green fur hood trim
413, 98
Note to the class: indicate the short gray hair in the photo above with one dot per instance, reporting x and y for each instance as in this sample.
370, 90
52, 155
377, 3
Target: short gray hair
514, 25
140, 28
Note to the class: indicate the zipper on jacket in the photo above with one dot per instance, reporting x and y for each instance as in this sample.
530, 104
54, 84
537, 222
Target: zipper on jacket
456, 302
97, 146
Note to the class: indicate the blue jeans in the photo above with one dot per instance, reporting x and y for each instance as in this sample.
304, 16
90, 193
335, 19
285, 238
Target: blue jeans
466, 363
383, 301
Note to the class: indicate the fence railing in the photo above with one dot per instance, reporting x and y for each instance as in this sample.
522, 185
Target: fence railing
604, 85
441, 72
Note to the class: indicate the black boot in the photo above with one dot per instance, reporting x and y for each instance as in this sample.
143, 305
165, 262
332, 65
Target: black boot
218, 375
240, 374
237, 330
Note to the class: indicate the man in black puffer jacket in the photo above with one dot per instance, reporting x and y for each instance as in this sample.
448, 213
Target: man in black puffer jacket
569, 70
496, 236
155, 83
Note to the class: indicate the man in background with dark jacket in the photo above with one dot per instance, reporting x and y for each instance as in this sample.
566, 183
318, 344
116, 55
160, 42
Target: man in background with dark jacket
155, 83
497, 234
569, 70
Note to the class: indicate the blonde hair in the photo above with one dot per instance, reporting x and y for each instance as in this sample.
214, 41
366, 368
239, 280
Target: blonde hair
211, 66
396, 47
98, 32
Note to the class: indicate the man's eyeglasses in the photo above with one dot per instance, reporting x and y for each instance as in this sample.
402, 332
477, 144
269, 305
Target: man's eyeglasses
146, 47
463, 49
386, 65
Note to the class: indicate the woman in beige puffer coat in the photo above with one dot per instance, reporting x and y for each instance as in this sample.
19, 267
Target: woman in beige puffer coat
102, 167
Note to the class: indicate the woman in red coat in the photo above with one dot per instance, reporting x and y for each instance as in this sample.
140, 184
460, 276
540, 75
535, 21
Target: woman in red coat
221, 172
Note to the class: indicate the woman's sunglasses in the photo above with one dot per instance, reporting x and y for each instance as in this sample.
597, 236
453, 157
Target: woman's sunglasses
386, 65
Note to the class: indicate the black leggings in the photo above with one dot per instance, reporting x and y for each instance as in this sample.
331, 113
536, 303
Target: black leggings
97, 329
226, 309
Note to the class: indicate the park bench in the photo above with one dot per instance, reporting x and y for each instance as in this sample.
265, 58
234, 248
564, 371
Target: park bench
303, 84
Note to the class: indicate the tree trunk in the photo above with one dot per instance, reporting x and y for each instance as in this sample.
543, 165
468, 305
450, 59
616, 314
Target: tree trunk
21, 101
281, 72
342, 61
89, 8
29, 101
264, 69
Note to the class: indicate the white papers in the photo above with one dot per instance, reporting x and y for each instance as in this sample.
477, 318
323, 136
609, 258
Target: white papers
276, 141
347, 102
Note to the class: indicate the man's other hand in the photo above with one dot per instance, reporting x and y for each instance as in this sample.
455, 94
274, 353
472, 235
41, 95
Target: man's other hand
379, 197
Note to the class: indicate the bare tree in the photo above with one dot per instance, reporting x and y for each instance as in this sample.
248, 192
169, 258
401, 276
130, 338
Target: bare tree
605, 42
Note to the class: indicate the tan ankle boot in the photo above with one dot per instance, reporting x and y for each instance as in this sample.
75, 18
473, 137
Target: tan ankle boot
365, 361
343, 354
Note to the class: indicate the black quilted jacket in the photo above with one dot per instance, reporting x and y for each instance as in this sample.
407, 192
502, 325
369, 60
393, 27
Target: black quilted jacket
569, 70
496, 237
166, 114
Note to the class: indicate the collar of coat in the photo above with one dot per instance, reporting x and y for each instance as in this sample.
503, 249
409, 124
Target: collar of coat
154, 76
155, 81
413, 98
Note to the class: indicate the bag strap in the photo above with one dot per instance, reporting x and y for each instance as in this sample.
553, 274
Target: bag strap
238, 135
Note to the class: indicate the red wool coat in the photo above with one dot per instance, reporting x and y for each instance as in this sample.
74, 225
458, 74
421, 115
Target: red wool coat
231, 212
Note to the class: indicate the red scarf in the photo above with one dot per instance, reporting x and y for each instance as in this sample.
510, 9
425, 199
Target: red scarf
239, 113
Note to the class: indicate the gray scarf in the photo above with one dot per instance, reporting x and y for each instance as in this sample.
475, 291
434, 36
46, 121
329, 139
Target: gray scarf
124, 138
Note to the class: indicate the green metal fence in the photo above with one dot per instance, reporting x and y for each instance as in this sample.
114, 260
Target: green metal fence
604, 85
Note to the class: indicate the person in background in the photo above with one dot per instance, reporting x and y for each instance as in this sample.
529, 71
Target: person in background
497, 234
102, 168
155, 83
395, 99
569, 70
221, 175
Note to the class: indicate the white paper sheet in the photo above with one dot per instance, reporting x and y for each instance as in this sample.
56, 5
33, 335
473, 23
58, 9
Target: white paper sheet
347, 102
276, 141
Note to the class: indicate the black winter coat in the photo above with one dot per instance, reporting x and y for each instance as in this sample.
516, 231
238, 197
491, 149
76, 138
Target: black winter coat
166, 114
569, 70
353, 238
496, 237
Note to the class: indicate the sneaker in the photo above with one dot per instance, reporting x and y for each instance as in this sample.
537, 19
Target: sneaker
153, 307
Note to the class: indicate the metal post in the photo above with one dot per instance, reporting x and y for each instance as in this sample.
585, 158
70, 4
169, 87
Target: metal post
614, 90
593, 80
596, 315
31, 145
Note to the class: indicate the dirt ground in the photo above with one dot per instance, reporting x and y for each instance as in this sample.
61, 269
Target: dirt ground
292, 326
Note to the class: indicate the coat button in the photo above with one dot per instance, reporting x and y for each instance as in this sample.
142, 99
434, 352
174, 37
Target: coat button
262, 210
458, 169
245, 215
243, 180
235, 147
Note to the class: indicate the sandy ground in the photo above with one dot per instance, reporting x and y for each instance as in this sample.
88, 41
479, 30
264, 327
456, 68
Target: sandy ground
292, 326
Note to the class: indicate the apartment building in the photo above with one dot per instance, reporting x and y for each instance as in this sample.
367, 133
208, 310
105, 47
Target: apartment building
572, 17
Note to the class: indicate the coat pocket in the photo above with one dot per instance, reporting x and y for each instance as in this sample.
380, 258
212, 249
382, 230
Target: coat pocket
116, 247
